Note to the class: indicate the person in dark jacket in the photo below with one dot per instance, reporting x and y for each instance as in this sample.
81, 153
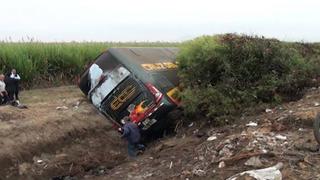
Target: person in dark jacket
10, 86
131, 132
16, 79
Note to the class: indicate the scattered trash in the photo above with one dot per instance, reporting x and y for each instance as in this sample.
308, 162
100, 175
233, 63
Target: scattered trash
268, 110
316, 104
225, 152
171, 164
222, 164
190, 125
281, 137
281, 118
271, 173
290, 111
254, 162
62, 108
77, 103
252, 124
199, 172
211, 138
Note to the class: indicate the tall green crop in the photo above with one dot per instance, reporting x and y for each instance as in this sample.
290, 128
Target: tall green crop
51, 63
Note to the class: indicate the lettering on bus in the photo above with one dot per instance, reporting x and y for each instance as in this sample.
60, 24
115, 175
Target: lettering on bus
159, 66
127, 93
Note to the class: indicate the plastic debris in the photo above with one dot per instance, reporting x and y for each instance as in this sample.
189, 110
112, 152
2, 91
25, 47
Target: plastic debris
316, 104
281, 137
77, 103
271, 173
62, 108
190, 125
268, 110
252, 124
211, 138
199, 172
222, 164
225, 152
254, 162
171, 164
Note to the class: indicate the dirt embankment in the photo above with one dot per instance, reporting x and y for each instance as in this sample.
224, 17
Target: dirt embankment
74, 142
280, 134
59, 134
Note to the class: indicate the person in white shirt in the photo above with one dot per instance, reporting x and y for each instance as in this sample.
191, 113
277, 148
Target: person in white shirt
14, 90
3, 92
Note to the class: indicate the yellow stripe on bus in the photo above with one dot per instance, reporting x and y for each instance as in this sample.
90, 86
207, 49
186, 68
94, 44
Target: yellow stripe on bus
159, 66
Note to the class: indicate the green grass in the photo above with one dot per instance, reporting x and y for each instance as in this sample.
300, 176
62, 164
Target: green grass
48, 64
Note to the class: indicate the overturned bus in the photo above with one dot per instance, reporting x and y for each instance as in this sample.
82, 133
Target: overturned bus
141, 83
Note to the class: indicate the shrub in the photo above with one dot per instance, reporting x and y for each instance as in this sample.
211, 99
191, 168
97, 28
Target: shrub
222, 74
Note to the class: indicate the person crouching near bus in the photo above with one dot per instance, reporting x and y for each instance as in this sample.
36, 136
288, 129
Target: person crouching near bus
131, 132
3, 92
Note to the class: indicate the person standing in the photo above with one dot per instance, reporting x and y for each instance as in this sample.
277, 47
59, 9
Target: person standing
16, 79
131, 132
10, 86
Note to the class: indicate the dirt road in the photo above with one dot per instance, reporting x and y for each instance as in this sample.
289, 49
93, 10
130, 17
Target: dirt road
59, 134
74, 142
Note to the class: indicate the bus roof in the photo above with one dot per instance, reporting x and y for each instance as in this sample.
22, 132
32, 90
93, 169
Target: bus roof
147, 55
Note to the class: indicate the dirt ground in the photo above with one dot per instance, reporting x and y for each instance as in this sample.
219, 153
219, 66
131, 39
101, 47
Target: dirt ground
75, 142
282, 134
59, 134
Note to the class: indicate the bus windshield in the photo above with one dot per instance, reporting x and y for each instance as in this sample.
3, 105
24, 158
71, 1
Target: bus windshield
103, 82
